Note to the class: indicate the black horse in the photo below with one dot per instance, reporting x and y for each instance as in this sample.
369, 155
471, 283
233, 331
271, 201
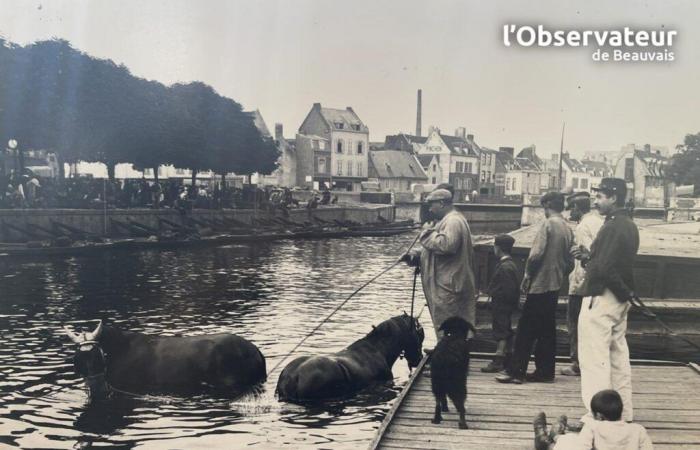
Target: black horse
366, 361
139, 363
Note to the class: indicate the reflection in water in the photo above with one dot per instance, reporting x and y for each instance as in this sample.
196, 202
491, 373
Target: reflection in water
271, 294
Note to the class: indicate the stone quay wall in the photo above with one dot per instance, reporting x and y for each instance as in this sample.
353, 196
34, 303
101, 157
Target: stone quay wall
482, 217
98, 221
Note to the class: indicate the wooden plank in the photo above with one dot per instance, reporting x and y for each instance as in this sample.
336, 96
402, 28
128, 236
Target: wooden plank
397, 403
501, 415
506, 444
422, 416
441, 433
511, 413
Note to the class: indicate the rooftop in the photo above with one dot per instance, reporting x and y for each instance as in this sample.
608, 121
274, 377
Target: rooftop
396, 164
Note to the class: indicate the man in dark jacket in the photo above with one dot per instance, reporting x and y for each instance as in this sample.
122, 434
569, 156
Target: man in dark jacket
607, 289
547, 267
504, 290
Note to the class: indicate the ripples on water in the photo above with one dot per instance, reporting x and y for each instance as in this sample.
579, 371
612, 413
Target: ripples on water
272, 294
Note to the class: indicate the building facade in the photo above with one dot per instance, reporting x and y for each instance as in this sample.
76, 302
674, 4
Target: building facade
348, 141
643, 170
313, 161
458, 160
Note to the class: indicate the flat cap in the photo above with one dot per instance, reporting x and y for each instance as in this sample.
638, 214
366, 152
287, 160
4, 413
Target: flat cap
576, 196
504, 241
438, 195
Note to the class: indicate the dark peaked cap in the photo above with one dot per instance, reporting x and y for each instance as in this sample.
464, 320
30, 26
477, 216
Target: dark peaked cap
611, 186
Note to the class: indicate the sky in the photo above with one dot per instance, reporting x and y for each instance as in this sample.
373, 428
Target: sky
282, 56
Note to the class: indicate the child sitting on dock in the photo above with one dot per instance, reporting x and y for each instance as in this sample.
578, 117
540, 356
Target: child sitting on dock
607, 432
504, 290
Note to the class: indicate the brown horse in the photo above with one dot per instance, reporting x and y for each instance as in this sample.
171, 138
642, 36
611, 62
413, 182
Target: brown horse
109, 357
366, 361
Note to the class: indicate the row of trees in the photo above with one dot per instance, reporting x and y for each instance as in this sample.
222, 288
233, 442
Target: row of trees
87, 109
684, 167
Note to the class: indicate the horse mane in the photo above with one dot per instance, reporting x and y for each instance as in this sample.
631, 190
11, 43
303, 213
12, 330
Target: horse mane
384, 328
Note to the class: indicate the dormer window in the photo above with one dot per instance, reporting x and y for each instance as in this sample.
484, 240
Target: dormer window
356, 126
339, 125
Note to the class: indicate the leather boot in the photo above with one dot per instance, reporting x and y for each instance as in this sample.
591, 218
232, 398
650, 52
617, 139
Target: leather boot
496, 365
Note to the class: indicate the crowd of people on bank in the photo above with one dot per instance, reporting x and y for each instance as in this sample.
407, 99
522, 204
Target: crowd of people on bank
596, 258
30, 191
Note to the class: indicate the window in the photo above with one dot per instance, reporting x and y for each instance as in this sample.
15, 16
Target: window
584, 183
179, 171
483, 176
349, 168
340, 168
488, 176
434, 168
434, 180
322, 145
321, 165
339, 125
356, 126
359, 147
349, 146
459, 166
574, 183
359, 169
339, 146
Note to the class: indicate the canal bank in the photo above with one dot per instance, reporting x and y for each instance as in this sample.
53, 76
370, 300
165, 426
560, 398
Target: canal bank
482, 217
16, 223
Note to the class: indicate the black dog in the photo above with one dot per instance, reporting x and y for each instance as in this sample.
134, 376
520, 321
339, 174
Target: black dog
449, 365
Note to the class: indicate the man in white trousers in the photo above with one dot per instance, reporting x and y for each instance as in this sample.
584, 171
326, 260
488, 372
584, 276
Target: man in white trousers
608, 287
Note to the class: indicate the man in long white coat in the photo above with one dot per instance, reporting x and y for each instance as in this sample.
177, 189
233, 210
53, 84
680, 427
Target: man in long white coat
447, 262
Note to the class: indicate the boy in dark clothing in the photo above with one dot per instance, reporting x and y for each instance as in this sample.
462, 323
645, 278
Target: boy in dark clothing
504, 290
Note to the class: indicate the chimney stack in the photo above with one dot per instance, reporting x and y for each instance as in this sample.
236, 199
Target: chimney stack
461, 132
419, 112
279, 135
470, 137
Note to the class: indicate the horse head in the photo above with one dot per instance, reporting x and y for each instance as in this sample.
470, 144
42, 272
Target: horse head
413, 340
90, 361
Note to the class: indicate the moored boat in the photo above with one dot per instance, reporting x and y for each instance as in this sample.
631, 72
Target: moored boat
667, 278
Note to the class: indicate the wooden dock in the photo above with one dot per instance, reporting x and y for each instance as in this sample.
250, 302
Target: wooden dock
666, 400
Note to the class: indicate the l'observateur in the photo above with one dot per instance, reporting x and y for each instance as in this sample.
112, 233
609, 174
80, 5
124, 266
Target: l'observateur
623, 45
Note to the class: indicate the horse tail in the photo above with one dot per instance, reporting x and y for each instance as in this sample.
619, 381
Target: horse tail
263, 375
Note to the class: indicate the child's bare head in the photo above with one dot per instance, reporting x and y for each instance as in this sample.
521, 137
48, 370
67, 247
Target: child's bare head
607, 405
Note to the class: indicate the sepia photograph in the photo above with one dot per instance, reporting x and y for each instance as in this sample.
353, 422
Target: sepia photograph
378, 224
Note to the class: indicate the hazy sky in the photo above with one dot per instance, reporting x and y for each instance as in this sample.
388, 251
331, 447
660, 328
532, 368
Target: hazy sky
282, 56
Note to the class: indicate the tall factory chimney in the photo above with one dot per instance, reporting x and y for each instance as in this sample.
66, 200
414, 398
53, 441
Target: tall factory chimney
418, 113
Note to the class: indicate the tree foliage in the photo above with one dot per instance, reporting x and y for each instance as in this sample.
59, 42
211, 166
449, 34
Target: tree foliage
86, 109
684, 167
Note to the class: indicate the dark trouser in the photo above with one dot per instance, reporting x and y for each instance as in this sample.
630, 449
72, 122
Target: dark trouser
537, 324
572, 311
